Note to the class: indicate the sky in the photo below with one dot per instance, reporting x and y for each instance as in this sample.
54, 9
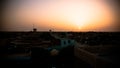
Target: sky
61, 15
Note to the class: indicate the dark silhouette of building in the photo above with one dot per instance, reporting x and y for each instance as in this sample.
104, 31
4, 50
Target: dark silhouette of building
34, 29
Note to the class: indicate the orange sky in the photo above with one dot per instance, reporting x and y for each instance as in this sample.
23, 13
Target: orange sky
60, 15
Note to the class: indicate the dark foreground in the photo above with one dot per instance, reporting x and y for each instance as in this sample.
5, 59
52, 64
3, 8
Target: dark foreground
90, 50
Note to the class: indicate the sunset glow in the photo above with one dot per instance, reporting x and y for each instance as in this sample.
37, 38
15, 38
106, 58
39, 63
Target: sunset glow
60, 15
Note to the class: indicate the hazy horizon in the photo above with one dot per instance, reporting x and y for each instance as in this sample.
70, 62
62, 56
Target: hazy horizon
61, 15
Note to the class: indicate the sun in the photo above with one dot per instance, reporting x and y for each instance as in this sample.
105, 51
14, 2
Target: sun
79, 22
89, 16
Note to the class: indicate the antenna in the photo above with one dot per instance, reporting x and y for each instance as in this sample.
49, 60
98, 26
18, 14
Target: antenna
34, 29
33, 26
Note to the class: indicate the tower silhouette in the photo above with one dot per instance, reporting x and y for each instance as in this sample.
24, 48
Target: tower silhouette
34, 29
